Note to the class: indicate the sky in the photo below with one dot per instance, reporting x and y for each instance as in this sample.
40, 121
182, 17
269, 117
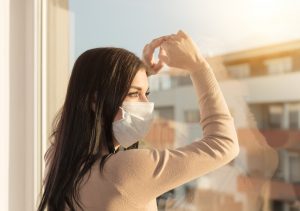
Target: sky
217, 26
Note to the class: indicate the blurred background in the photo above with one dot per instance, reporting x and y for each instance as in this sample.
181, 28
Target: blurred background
252, 45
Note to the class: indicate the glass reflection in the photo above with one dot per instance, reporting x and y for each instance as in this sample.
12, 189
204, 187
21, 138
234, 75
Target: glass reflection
248, 45
258, 87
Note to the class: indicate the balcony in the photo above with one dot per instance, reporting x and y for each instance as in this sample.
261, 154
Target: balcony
283, 139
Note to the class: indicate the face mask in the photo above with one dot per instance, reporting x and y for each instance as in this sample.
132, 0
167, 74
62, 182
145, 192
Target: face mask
136, 120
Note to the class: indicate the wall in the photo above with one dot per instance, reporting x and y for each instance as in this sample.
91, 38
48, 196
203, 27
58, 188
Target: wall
17, 105
4, 105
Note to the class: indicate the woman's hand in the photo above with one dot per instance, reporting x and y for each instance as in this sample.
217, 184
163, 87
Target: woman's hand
180, 51
148, 51
176, 50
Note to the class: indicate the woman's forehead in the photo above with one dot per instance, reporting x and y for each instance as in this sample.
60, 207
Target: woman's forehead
140, 80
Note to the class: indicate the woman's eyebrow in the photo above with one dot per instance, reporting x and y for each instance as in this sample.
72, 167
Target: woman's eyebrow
138, 88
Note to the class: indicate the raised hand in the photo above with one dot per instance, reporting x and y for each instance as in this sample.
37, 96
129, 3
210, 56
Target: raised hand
148, 52
175, 50
180, 51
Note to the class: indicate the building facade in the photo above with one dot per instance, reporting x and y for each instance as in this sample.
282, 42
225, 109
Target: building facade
262, 89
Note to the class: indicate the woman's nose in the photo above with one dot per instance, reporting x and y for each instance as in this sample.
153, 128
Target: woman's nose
144, 99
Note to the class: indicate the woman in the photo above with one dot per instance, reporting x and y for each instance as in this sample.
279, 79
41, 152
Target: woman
106, 106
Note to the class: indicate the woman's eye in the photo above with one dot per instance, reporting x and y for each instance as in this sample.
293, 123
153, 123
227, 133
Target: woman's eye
137, 94
133, 94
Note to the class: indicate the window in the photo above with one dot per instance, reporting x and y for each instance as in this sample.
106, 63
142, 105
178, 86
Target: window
165, 112
294, 119
294, 171
160, 82
294, 116
100, 23
275, 116
239, 70
192, 116
279, 65
279, 174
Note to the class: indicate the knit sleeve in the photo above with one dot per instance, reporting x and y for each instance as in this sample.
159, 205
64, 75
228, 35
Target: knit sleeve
143, 174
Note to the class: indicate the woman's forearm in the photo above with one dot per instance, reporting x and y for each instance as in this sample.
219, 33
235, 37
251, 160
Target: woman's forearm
215, 118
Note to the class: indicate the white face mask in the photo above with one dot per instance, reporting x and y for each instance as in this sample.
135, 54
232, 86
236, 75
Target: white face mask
136, 120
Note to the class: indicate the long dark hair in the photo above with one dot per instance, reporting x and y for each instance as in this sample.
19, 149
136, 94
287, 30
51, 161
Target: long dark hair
102, 76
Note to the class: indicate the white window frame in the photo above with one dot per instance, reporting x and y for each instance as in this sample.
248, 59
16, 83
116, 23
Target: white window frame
239, 70
279, 65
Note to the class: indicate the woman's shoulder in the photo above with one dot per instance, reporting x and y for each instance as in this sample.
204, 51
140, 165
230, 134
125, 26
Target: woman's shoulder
133, 160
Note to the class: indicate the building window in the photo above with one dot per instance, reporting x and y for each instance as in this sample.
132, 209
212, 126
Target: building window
294, 164
192, 116
279, 173
294, 119
294, 116
160, 82
275, 116
239, 70
165, 112
277, 205
279, 65
184, 81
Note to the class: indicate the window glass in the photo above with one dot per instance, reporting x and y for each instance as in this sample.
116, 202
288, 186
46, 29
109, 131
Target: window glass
239, 71
279, 65
254, 48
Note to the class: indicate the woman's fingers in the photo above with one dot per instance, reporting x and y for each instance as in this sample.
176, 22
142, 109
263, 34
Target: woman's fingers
157, 42
174, 44
156, 67
146, 54
150, 48
163, 55
182, 34
149, 51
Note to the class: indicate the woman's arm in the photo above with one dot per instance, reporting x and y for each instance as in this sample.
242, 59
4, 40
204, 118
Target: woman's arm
143, 174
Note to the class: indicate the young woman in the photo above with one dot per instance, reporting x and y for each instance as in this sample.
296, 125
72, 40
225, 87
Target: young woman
106, 106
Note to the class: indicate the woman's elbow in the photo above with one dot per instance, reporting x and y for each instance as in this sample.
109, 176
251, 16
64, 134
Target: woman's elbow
234, 148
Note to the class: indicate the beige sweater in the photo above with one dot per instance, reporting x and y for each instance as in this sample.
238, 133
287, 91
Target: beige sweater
134, 178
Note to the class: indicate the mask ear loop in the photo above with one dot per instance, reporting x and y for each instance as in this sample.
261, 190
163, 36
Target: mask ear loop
123, 112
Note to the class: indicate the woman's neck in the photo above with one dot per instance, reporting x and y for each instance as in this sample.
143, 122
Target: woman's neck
116, 146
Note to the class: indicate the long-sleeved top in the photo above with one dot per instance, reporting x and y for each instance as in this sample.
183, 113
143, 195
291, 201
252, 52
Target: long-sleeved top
133, 178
